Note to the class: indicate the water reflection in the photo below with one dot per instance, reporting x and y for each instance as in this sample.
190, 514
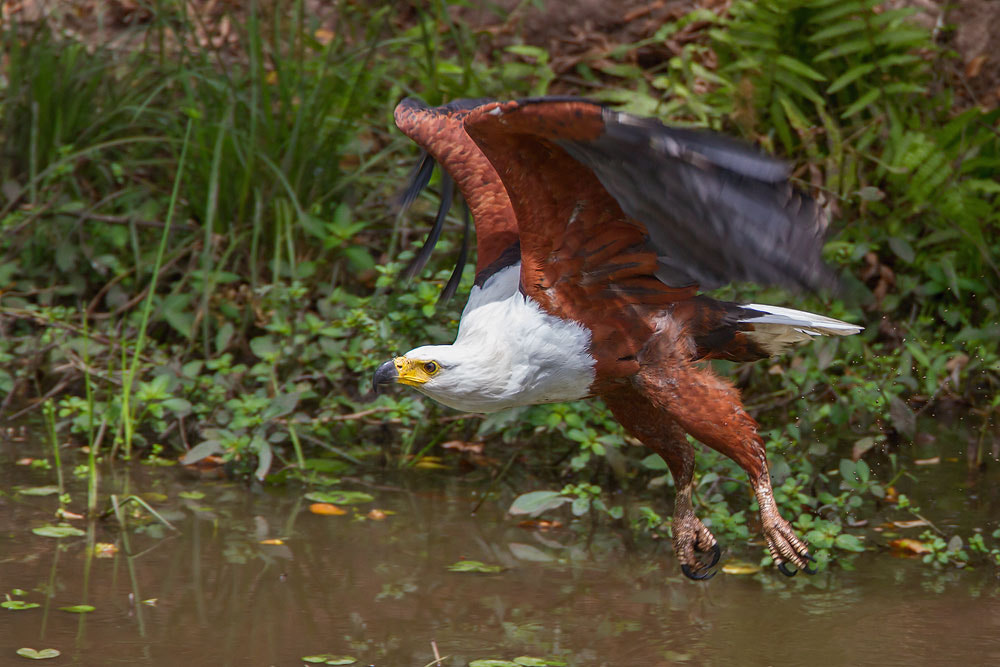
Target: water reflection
214, 594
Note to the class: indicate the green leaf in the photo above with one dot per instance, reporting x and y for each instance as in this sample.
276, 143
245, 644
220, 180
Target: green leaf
800, 68
78, 609
847, 470
865, 100
654, 462
902, 248
796, 83
536, 502
62, 530
330, 659
265, 348
849, 77
202, 450
179, 406
32, 654
39, 490
528, 51
17, 605
870, 193
281, 405
490, 662
340, 497
848, 542
837, 30
474, 566
265, 455
191, 495
844, 49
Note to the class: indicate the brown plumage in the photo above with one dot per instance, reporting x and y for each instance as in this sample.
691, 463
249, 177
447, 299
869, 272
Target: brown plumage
617, 222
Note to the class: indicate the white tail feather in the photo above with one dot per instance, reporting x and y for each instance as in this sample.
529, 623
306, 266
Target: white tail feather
778, 328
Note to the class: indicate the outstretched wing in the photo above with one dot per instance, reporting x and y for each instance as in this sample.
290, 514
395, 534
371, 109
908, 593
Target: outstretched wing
714, 209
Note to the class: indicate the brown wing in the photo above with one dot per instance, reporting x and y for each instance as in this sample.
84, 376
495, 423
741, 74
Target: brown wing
440, 132
618, 214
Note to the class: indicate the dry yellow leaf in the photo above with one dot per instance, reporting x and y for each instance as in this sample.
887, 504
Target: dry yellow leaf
326, 509
740, 567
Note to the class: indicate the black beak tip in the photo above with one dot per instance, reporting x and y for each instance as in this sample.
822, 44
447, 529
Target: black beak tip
385, 374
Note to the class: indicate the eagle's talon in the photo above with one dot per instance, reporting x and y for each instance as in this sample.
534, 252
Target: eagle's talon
716, 554
703, 574
783, 568
692, 539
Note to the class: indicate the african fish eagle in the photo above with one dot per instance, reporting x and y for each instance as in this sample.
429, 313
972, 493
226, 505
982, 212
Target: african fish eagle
595, 231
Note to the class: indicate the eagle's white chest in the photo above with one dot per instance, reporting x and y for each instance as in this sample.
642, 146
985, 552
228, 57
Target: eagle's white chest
509, 352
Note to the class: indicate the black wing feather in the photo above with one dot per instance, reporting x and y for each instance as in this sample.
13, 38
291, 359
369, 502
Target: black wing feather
418, 179
463, 255
447, 196
716, 210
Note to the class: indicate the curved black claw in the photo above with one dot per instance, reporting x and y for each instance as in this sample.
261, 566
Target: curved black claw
783, 568
809, 569
716, 553
701, 575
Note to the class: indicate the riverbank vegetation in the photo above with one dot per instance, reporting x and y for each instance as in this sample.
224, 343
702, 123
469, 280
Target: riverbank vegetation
200, 249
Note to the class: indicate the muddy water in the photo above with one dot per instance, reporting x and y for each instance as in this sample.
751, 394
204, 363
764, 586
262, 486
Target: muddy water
380, 591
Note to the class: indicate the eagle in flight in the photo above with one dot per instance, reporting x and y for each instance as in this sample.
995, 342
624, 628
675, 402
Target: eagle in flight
595, 232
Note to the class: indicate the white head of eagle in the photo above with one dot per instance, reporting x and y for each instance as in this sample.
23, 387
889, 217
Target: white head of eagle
508, 352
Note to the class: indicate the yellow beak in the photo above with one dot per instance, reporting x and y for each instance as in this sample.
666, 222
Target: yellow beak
402, 371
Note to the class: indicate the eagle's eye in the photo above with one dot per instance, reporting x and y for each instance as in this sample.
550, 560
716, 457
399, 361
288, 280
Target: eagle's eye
431, 367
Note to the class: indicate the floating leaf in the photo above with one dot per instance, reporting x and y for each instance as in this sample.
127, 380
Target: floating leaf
540, 524
462, 446
330, 659
474, 566
39, 490
326, 509
492, 663
44, 654
78, 609
17, 605
740, 567
191, 495
536, 502
528, 661
340, 497
62, 530
427, 464
105, 549
529, 552
273, 542
909, 547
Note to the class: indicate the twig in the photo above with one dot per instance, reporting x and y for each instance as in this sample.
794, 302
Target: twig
437, 656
